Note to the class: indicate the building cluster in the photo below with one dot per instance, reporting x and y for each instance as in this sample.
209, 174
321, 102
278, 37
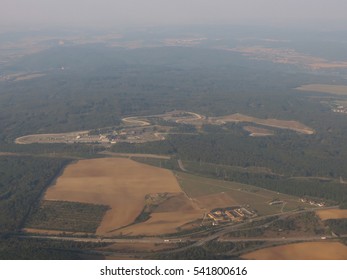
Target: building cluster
339, 109
312, 202
230, 214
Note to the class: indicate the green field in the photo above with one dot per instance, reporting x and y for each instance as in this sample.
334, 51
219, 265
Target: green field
257, 198
67, 216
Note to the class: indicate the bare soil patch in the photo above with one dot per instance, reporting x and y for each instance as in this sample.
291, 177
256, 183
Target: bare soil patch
332, 214
301, 251
283, 124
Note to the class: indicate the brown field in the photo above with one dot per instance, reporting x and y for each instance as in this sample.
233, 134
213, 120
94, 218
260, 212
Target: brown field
123, 184
162, 223
258, 131
301, 251
283, 124
332, 214
332, 89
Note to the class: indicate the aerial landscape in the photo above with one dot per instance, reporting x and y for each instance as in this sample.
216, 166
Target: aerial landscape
189, 141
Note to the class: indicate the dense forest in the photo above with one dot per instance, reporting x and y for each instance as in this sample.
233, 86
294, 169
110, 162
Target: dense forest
99, 85
91, 87
22, 183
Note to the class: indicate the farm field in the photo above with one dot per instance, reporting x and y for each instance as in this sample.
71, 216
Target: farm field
332, 214
324, 88
301, 251
211, 192
121, 184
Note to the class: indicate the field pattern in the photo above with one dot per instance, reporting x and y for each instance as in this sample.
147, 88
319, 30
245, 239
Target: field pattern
120, 183
301, 251
332, 214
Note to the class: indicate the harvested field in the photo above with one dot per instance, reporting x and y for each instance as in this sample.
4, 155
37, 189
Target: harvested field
175, 203
301, 251
332, 214
162, 223
120, 183
323, 88
258, 131
282, 124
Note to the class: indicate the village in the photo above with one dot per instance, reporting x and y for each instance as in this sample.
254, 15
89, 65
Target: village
230, 214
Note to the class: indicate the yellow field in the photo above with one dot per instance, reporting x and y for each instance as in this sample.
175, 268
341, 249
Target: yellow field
332, 89
162, 223
332, 214
118, 182
301, 251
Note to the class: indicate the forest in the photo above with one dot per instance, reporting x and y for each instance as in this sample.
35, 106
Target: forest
91, 87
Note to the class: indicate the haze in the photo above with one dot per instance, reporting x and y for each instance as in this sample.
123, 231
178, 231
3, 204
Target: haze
169, 12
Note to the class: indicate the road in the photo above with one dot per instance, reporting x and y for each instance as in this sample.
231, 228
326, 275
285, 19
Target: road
198, 241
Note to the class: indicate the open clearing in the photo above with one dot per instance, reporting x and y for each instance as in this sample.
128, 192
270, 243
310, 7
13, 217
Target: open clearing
332, 214
324, 88
301, 251
209, 192
282, 124
121, 184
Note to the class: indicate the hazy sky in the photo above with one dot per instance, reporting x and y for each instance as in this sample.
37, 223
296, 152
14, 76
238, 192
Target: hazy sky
168, 12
